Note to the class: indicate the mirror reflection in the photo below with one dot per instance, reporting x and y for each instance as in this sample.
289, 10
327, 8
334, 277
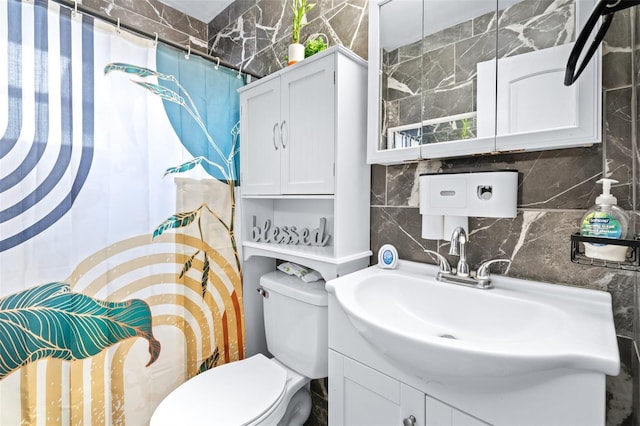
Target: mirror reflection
471, 69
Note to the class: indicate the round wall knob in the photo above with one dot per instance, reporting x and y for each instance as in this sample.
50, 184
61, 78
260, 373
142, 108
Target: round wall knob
409, 421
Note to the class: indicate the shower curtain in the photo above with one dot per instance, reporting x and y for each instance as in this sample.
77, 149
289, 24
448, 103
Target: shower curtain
119, 272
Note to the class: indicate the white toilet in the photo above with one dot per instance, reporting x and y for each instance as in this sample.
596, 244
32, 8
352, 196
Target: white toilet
259, 390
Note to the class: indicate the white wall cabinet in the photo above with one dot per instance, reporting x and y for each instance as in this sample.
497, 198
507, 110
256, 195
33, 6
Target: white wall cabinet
303, 158
421, 111
287, 124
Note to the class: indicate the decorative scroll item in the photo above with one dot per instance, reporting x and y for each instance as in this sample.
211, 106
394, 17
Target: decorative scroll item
290, 234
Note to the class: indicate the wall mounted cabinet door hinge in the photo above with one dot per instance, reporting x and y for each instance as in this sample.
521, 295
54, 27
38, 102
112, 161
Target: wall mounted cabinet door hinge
334, 77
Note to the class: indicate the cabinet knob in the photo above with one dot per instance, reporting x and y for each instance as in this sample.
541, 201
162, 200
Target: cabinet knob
409, 421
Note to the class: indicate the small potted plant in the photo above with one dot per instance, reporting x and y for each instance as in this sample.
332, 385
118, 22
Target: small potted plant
296, 49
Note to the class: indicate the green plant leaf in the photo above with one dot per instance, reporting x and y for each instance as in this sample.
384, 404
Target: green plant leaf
210, 362
49, 321
178, 220
188, 264
185, 167
205, 274
313, 46
163, 92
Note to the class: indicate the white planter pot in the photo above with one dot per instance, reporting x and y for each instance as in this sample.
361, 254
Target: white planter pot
296, 53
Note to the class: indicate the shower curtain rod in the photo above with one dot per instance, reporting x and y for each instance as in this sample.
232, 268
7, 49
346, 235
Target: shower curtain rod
73, 5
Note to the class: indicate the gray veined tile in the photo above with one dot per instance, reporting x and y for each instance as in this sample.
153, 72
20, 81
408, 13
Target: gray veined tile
484, 23
404, 79
411, 51
538, 32
400, 182
401, 227
470, 51
438, 68
237, 42
391, 57
448, 101
349, 22
618, 139
378, 185
409, 110
617, 53
265, 63
449, 35
273, 22
392, 113
524, 10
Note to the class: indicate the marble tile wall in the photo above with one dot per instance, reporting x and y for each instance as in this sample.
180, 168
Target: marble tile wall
152, 16
254, 34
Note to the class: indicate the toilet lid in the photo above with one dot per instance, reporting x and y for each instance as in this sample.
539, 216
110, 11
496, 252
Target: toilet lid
231, 394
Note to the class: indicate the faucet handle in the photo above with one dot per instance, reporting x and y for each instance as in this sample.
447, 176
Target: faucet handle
483, 272
442, 261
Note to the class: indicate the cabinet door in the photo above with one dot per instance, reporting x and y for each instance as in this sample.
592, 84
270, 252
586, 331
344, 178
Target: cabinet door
260, 142
308, 135
361, 396
440, 414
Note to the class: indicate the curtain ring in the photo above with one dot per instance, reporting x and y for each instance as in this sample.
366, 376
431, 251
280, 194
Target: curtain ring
217, 63
239, 76
118, 26
75, 7
188, 52
155, 43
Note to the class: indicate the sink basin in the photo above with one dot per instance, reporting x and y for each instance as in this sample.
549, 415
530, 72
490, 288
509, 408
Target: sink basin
436, 329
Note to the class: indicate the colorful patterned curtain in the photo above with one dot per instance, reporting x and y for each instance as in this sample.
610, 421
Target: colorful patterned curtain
119, 270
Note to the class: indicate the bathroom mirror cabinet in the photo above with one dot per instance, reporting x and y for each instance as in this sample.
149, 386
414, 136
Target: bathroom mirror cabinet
467, 77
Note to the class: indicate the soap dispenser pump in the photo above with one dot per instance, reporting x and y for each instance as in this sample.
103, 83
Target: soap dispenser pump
605, 220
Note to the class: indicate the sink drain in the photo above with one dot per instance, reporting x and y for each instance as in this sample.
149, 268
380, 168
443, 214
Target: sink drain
448, 336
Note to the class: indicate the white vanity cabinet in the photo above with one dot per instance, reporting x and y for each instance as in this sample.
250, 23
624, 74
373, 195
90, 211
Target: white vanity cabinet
366, 387
363, 396
290, 123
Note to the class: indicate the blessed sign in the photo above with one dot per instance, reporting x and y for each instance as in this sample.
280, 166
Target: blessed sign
290, 234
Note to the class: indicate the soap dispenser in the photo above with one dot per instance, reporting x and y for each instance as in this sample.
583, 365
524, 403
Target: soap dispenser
605, 220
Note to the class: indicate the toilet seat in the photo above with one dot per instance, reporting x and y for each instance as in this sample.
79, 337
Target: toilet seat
237, 393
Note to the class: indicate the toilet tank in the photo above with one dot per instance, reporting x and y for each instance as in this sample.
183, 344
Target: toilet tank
296, 323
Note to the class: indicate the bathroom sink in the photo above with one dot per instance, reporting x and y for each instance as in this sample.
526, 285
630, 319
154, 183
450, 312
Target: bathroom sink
438, 330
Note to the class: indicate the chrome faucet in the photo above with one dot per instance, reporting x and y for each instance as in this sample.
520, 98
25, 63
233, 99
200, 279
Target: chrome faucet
462, 274
459, 248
